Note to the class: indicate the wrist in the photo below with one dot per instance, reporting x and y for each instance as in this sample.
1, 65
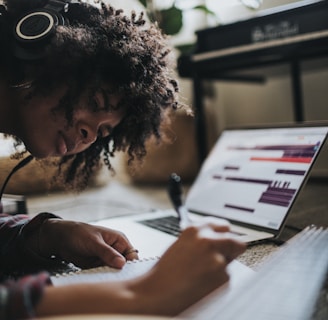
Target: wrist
149, 298
47, 238
34, 238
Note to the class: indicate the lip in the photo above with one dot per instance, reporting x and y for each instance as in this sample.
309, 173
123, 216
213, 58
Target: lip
61, 145
64, 145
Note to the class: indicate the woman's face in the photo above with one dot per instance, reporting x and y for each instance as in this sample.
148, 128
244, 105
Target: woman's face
46, 133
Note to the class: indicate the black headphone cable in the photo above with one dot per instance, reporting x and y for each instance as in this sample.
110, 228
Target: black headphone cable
18, 166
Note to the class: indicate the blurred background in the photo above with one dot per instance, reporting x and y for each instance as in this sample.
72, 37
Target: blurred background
231, 102
225, 101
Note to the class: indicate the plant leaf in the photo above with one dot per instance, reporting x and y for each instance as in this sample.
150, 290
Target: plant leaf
143, 2
171, 20
205, 9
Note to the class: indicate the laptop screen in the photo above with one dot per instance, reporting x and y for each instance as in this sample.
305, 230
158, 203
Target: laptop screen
252, 176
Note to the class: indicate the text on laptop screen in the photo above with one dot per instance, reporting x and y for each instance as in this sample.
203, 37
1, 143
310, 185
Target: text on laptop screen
253, 175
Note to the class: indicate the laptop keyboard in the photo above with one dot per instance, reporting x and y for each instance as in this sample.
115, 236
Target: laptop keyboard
169, 224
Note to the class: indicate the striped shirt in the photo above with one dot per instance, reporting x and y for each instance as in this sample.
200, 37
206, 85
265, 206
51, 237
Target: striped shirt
22, 279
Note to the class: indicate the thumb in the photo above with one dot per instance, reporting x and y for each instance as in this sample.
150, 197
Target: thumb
110, 256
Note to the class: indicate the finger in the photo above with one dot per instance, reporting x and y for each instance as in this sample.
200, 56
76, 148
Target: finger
213, 231
217, 225
117, 240
231, 248
126, 250
214, 221
220, 228
110, 256
131, 254
122, 245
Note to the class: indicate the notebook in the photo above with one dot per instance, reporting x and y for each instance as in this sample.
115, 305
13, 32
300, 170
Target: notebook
131, 269
289, 282
288, 285
238, 273
251, 178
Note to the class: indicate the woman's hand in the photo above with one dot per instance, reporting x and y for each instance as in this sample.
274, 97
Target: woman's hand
85, 245
191, 268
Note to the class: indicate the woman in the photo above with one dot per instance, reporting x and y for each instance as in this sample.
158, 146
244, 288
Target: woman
79, 82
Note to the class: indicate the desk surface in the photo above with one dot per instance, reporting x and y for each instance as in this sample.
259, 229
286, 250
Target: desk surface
122, 198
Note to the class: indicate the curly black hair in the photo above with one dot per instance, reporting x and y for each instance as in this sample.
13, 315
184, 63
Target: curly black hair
101, 45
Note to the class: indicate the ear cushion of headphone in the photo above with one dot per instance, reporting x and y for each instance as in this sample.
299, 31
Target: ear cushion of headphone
33, 30
35, 26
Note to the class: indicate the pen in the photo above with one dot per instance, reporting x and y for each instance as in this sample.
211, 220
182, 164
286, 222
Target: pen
175, 193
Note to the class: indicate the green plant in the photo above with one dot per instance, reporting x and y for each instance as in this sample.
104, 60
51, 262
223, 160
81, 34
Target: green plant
171, 19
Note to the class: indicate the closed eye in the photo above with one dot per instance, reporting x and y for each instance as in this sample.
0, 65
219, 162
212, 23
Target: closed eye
99, 100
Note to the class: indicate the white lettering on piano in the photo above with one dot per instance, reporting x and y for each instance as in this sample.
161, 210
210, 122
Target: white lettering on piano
271, 31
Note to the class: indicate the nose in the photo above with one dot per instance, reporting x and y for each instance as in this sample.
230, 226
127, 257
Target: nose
88, 135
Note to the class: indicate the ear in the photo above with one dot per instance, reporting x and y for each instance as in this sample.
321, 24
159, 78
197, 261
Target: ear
33, 31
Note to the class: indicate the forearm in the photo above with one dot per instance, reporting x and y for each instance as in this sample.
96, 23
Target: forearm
109, 298
151, 294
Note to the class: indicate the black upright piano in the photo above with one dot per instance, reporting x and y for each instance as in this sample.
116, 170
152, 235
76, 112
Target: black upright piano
286, 34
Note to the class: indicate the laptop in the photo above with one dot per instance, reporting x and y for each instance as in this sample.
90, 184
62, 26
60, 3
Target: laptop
251, 178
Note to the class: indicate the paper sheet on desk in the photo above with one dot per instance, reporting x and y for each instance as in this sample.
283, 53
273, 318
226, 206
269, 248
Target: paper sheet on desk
286, 286
132, 269
239, 274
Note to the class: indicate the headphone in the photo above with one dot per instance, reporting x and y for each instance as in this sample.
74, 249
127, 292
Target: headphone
34, 30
